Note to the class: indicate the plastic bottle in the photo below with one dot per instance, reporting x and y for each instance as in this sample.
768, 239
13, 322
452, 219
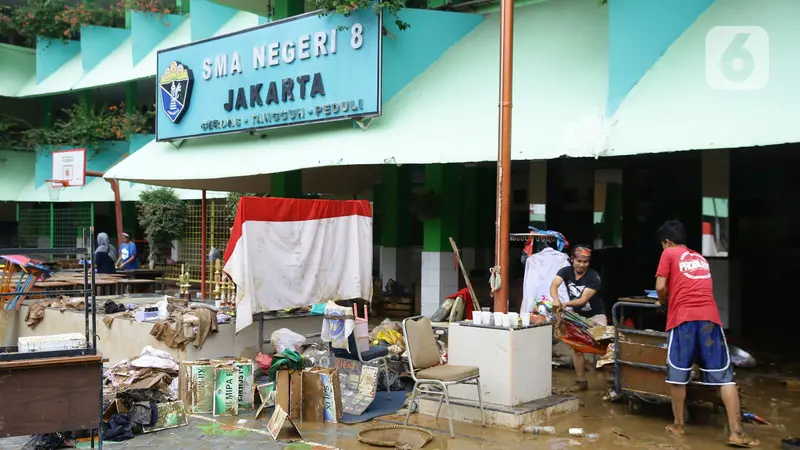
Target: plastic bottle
576, 432
540, 430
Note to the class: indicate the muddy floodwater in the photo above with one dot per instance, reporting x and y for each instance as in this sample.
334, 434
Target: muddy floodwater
765, 393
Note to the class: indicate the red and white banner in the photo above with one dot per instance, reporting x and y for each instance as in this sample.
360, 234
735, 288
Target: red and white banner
285, 253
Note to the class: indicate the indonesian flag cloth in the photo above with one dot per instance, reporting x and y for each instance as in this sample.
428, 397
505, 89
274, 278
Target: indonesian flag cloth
286, 253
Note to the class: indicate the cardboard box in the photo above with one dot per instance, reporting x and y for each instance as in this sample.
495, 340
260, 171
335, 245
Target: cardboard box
51, 343
266, 394
322, 397
196, 386
226, 388
115, 407
244, 369
296, 395
170, 415
289, 392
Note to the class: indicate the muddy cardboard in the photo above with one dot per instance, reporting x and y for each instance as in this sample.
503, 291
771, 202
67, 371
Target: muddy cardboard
244, 370
197, 386
226, 389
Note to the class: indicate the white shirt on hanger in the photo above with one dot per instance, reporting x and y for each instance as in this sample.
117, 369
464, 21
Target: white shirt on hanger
540, 269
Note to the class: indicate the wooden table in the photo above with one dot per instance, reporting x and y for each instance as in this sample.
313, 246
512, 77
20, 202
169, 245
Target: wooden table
50, 395
135, 274
132, 286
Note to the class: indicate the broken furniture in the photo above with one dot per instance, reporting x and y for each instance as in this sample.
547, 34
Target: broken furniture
302, 323
426, 370
374, 354
55, 390
19, 276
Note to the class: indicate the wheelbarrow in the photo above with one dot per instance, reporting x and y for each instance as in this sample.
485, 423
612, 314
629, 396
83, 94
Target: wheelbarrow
640, 367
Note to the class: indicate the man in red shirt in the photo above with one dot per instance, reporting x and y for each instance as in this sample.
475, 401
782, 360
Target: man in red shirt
695, 330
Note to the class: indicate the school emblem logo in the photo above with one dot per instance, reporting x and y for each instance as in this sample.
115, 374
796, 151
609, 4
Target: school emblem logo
176, 90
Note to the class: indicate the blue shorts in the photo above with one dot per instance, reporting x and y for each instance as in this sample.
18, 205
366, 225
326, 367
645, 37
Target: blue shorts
700, 342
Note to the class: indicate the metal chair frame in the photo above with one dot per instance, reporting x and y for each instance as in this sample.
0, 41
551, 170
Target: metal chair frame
379, 360
420, 385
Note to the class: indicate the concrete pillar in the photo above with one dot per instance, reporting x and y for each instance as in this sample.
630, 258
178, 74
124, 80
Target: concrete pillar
439, 276
283, 9
395, 251
286, 184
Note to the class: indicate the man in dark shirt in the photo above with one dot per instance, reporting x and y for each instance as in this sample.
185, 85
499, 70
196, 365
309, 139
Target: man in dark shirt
583, 286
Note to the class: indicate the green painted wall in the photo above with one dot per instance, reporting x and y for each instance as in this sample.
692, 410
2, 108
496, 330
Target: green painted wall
286, 184
469, 211
396, 206
443, 180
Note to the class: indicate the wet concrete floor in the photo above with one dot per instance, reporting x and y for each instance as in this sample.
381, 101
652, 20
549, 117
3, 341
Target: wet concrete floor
615, 426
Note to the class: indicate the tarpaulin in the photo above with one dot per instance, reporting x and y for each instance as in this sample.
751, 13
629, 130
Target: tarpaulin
286, 253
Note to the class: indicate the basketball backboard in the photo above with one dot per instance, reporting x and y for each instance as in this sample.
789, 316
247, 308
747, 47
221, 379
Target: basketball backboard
69, 167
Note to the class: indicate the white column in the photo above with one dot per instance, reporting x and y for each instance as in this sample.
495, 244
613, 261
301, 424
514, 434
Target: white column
388, 256
397, 264
405, 266
439, 279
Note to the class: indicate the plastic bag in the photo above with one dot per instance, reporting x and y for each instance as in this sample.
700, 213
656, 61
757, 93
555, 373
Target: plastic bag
391, 337
263, 361
386, 325
286, 339
577, 339
163, 313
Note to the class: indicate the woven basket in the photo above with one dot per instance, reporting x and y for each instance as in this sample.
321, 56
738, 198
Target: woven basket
386, 435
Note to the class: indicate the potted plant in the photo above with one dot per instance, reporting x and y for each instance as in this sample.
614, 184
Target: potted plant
162, 214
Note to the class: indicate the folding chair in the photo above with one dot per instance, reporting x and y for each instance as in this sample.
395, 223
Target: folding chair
423, 357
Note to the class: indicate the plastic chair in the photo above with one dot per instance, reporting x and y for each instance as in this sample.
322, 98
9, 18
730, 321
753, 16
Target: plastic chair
423, 359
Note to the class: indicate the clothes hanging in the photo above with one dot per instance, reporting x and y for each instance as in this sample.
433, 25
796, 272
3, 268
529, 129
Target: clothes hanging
540, 269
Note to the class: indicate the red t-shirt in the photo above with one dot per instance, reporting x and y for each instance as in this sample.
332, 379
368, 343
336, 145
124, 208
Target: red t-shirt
689, 288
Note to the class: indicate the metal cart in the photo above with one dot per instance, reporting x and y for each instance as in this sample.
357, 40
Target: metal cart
640, 366
55, 391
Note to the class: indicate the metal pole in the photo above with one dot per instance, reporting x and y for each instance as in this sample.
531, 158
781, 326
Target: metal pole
117, 209
504, 154
52, 225
203, 246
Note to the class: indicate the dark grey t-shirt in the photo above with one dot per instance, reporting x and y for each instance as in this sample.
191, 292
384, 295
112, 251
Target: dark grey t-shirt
591, 280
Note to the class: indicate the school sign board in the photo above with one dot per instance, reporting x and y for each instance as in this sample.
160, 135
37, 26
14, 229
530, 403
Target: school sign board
301, 70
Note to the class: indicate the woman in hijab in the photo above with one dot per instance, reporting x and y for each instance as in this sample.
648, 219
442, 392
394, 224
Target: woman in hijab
104, 255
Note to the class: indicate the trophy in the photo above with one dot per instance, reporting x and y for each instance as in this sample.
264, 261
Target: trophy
217, 280
183, 280
229, 295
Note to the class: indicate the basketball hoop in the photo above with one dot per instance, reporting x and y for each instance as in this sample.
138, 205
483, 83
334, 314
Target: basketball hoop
56, 186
